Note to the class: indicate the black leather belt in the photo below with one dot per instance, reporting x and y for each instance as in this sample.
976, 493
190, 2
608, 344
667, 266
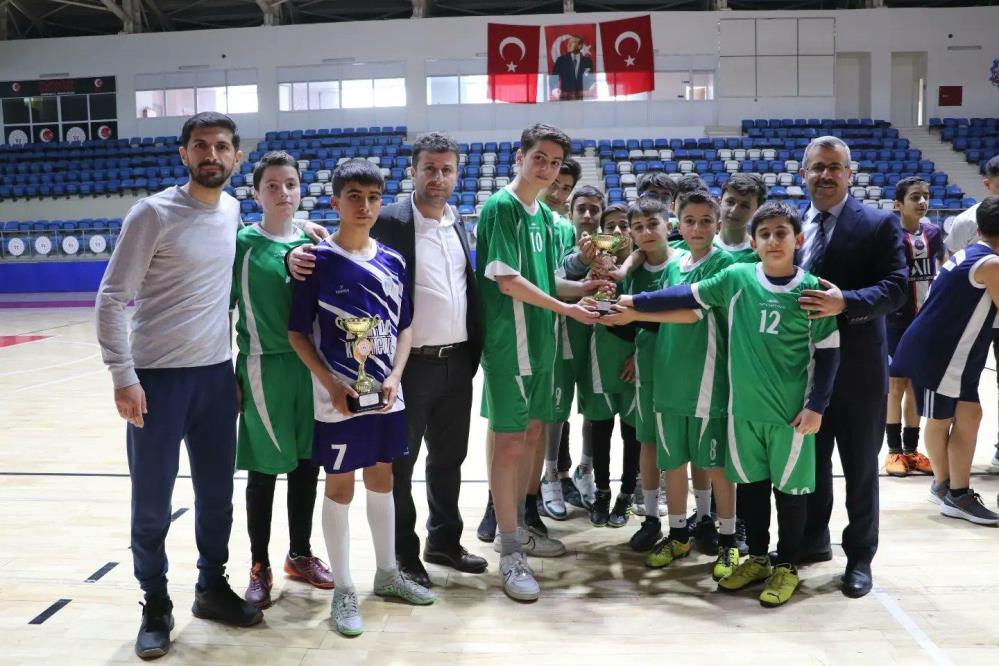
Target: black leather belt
437, 351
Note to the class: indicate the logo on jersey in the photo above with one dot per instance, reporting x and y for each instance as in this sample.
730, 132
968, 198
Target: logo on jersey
994, 73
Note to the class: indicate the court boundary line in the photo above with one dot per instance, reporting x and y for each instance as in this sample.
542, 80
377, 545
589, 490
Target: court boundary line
934, 651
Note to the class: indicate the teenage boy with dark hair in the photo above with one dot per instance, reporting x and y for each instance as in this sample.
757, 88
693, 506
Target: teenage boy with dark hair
924, 251
741, 195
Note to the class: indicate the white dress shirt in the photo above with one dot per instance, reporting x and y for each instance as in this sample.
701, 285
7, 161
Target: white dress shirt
809, 227
440, 298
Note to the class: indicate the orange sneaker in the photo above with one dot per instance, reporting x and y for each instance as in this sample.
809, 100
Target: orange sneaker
895, 465
917, 462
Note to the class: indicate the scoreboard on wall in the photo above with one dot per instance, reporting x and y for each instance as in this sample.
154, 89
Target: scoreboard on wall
46, 110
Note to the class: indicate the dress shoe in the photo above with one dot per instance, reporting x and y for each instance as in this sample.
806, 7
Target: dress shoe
414, 570
857, 581
458, 558
812, 557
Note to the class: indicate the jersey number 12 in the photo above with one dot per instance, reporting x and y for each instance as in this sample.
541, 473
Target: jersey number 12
774, 318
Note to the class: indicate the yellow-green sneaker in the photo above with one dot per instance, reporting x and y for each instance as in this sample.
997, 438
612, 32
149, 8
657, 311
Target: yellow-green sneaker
725, 565
780, 586
752, 570
666, 551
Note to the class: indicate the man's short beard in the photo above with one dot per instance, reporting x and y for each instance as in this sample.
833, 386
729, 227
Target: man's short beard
208, 180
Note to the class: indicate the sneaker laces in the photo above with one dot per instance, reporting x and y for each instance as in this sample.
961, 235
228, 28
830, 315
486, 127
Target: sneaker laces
781, 571
346, 603
725, 556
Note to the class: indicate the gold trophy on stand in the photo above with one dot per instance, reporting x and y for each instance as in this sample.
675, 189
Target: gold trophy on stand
369, 391
607, 246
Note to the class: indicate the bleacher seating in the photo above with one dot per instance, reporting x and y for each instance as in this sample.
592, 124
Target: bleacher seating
977, 138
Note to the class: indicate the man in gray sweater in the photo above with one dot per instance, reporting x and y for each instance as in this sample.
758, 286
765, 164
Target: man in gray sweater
173, 377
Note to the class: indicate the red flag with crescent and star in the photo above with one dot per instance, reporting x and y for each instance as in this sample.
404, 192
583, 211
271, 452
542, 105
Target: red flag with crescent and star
629, 58
514, 56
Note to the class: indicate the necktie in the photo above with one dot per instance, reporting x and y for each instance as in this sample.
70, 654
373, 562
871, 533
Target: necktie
814, 261
575, 63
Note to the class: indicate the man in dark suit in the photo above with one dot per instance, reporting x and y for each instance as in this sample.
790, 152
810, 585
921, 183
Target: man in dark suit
574, 71
447, 344
857, 251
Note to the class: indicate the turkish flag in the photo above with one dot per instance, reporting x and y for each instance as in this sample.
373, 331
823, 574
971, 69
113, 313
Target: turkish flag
628, 55
513, 62
571, 73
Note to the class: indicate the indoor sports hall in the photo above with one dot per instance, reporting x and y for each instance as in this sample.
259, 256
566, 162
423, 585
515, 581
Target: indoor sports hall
93, 98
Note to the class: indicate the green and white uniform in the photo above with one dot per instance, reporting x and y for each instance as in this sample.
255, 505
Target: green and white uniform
771, 343
565, 375
275, 427
647, 278
690, 384
518, 354
741, 253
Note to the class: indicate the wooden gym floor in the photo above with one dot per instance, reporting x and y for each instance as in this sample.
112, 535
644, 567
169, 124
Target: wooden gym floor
67, 595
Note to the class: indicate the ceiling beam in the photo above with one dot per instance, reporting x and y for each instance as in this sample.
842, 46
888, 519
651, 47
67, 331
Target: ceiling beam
4, 20
29, 13
161, 18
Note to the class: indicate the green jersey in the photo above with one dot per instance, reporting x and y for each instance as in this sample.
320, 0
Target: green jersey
690, 376
565, 237
741, 253
771, 340
261, 289
647, 278
519, 338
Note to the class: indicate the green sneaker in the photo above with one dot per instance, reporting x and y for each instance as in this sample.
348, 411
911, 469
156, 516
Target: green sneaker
752, 570
780, 586
346, 617
666, 551
392, 584
725, 565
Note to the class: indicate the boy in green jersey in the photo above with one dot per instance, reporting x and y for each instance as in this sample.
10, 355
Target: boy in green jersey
742, 194
275, 388
606, 391
519, 300
782, 366
690, 412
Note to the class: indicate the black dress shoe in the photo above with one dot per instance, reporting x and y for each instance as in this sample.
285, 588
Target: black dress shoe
221, 604
153, 639
415, 571
459, 559
813, 557
857, 582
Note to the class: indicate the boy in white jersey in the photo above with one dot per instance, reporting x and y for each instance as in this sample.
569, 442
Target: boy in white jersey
516, 274
275, 424
782, 366
357, 279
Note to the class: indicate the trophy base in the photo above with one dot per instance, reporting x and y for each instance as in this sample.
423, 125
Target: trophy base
366, 402
605, 307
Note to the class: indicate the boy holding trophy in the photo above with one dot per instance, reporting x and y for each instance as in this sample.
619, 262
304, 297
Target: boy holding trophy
349, 324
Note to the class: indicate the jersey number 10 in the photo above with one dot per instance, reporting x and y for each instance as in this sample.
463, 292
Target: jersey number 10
770, 327
537, 242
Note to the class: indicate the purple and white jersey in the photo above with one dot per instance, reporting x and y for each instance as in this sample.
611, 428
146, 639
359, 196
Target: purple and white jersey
368, 283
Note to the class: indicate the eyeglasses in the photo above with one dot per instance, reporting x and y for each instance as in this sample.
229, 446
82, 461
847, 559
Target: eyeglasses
833, 169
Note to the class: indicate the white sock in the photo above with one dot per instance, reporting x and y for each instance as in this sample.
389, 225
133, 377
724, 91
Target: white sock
381, 519
650, 498
336, 531
677, 522
703, 499
726, 526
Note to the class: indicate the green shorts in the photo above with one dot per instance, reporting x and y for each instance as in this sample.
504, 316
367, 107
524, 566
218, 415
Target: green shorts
604, 406
760, 451
510, 401
683, 439
564, 391
275, 426
645, 418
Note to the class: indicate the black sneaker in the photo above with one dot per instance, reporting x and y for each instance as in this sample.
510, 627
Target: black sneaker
532, 518
600, 513
740, 537
706, 535
153, 640
647, 536
223, 605
571, 494
487, 526
619, 514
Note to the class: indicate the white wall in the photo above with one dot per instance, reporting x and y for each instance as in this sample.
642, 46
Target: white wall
680, 36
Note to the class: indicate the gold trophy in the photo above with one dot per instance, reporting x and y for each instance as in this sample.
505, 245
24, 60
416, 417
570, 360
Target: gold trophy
607, 246
369, 391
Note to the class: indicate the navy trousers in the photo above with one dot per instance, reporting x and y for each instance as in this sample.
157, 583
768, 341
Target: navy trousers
197, 406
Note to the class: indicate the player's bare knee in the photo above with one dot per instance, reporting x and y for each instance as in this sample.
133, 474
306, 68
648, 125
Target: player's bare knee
340, 487
378, 477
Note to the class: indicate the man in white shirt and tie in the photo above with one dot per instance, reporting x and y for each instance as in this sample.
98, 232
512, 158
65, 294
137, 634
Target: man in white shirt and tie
447, 343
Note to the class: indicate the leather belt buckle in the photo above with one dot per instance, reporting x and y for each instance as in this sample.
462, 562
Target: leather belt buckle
443, 349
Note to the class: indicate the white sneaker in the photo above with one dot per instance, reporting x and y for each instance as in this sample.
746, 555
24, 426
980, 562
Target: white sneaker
552, 500
518, 579
343, 609
586, 484
533, 544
